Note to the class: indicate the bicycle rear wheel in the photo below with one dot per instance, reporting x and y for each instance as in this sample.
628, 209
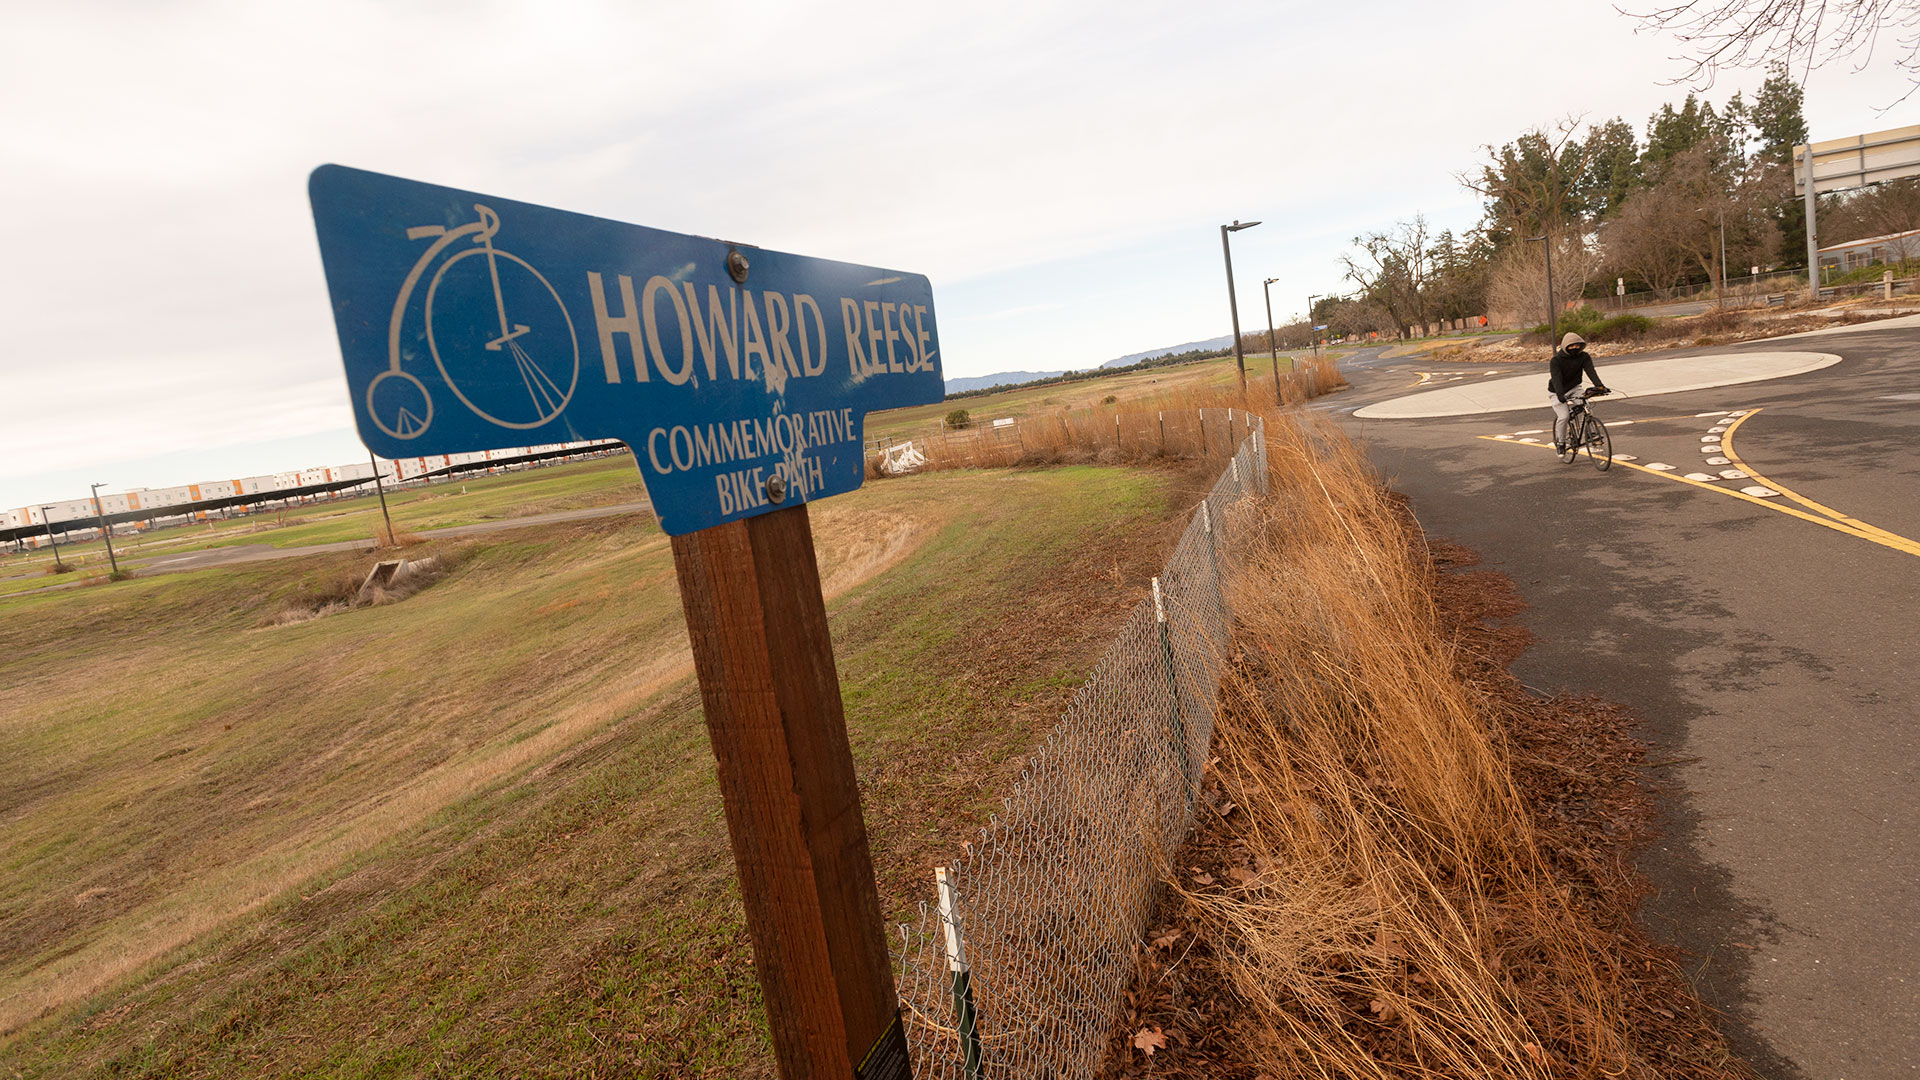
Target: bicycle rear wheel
1598, 445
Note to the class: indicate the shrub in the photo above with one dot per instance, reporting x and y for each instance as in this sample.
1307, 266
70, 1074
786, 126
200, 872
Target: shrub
959, 418
1621, 327
1108, 400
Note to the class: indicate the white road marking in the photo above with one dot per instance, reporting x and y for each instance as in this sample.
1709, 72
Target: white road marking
1503, 437
1532, 431
1625, 457
1713, 414
1716, 430
1718, 461
1530, 440
1659, 466
1712, 448
1900, 397
1761, 492
1708, 438
1701, 476
1732, 474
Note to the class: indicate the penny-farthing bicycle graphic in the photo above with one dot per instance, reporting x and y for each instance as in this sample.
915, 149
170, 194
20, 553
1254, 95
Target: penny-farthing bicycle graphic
496, 329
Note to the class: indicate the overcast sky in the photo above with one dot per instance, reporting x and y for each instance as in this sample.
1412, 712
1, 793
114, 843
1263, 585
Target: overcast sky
1058, 170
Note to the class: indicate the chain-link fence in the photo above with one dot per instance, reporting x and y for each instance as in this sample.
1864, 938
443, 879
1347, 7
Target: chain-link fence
1019, 968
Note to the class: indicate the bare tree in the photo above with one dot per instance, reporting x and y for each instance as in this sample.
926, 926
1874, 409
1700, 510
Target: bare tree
1671, 232
1801, 34
1394, 271
1517, 287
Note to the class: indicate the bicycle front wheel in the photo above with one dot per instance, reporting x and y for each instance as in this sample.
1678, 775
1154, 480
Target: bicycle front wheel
1599, 447
1571, 434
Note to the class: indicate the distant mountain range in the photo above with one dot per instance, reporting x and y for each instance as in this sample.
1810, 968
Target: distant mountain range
1007, 378
1224, 341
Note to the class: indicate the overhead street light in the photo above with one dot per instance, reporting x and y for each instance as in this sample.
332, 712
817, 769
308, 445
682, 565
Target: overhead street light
105, 533
1233, 304
1273, 344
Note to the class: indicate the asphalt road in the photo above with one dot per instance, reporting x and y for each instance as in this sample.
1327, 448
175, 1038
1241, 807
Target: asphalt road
1774, 661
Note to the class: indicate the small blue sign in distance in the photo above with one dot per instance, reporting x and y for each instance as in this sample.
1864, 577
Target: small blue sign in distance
740, 377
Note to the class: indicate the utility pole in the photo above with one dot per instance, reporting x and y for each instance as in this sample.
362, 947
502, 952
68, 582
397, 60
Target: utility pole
1313, 335
46, 518
1233, 304
1813, 231
1273, 344
382, 492
1723, 257
105, 532
1553, 312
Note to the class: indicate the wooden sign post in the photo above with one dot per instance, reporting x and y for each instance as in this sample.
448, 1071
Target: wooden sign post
758, 622
741, 379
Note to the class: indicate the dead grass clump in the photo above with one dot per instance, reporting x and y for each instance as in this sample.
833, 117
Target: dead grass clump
1176, 424
1391, 909
396, 538
59, 567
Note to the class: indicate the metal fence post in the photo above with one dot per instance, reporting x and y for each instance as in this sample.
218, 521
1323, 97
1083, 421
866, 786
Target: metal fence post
966, 1020
1173, 690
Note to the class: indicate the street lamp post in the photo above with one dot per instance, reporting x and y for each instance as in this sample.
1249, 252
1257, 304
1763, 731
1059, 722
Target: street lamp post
105, 533
1720, 293
1233, 304
1553, 313
46, 518
1273, 343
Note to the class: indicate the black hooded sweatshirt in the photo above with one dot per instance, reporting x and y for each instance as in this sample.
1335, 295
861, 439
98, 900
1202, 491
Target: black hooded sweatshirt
1564, 372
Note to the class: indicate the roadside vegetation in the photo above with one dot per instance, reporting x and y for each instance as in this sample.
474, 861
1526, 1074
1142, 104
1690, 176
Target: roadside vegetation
1407, 865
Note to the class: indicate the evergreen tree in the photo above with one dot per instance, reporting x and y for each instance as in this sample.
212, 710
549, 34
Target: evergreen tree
1613, 168
1778, 122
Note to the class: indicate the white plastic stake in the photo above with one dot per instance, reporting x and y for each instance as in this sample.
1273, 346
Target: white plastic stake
956, 947
1159, 605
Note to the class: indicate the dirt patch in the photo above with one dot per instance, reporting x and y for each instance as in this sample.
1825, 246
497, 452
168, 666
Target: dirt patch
1573, 761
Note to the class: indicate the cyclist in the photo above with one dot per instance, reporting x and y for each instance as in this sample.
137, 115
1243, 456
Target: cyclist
1565, 372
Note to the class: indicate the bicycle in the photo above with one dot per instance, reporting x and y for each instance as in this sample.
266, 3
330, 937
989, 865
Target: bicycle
1584, 431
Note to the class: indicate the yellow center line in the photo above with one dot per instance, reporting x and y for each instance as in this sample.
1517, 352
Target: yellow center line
1424, 376
1726, 448
1878, 536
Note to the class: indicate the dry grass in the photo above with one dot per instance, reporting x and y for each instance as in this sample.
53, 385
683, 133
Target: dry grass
395, 538
1396, 914
1181, 423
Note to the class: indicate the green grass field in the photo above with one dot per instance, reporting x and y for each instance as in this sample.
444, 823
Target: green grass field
475, 832
601, 482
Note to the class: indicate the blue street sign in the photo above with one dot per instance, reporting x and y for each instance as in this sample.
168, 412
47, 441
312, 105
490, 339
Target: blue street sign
1322, 326
740, 377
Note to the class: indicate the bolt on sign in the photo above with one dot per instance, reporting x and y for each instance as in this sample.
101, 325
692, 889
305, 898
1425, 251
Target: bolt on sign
741, 378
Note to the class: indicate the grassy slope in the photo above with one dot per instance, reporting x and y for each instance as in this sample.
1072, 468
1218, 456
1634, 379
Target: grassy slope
571, 913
